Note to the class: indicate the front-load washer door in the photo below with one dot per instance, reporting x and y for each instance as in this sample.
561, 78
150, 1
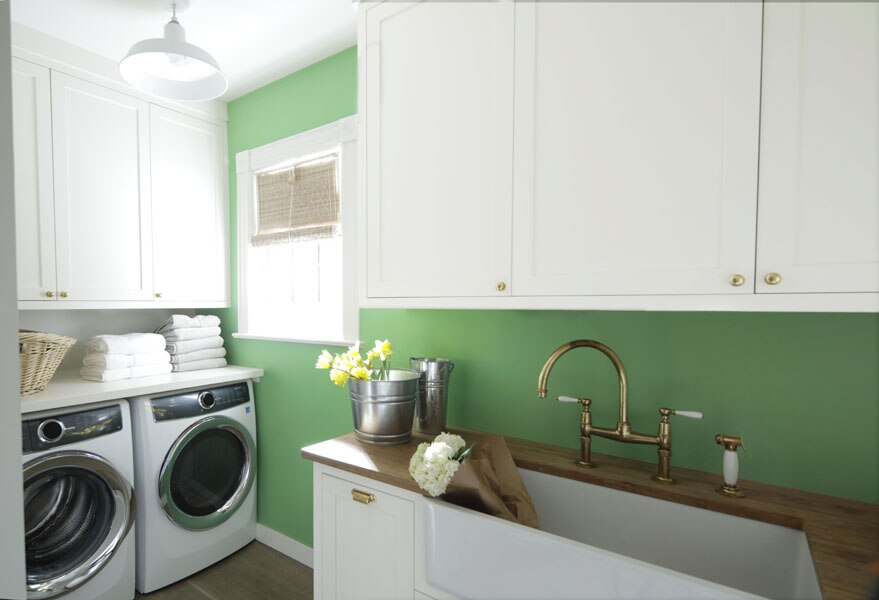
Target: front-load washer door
77, 511
207, 473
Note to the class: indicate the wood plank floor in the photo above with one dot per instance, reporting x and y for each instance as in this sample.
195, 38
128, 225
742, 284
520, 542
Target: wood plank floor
255, 572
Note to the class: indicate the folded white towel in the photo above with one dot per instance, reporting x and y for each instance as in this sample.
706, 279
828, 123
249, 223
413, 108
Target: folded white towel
123, 361
193, 345
130, 343
198, 365
183, 321
191, 333
198, 355
96, 374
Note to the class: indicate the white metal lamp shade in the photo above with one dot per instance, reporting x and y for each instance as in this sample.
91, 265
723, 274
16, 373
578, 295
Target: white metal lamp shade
172, 68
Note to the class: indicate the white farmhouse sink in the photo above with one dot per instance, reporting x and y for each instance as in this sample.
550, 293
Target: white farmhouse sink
602, 543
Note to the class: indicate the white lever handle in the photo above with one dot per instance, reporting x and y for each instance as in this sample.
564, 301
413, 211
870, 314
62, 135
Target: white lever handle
567, 399
689, 413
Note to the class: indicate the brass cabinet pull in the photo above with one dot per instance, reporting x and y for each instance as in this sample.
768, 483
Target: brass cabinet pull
158, 294
737, 280
50, 294
772, 278
63, 294
362, 497
501, 286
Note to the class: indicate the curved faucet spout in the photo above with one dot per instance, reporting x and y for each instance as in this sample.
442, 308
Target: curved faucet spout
617, 363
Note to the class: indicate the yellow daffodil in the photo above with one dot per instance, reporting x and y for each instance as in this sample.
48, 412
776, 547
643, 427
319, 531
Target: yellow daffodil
324, 361
339, 377
360, 373
383, 349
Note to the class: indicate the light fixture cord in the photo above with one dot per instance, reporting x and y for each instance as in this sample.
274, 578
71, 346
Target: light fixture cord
174, 12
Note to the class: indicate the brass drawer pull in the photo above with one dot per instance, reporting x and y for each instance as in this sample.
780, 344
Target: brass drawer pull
362, 497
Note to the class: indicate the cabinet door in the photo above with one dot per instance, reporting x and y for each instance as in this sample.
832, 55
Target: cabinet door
438, 97
34, 195
819, 148
102, 195
366, 549
636, 147
189, 208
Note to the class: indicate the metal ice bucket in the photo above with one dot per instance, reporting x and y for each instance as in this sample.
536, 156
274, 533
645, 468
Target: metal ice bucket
383, 410
433, 393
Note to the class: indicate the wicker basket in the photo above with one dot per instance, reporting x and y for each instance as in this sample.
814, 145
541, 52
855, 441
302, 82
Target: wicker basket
39, 354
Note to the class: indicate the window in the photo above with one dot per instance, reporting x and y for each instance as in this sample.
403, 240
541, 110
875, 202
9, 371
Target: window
296, 237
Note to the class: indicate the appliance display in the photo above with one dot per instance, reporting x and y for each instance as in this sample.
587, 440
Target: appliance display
195, 478
79, 504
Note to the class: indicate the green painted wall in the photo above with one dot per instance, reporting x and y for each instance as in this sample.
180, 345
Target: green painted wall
802, 389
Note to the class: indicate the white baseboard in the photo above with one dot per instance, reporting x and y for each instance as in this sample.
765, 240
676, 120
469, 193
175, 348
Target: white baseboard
285, 545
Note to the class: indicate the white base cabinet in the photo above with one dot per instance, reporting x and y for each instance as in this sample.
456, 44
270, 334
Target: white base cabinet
364, 539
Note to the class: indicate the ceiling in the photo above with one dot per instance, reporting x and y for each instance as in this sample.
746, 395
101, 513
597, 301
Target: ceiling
254, 41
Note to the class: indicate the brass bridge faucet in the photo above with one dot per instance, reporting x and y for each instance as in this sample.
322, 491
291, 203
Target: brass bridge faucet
623, 431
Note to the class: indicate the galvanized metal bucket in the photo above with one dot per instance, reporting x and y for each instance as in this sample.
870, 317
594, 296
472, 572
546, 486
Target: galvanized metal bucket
433, 393
383, 410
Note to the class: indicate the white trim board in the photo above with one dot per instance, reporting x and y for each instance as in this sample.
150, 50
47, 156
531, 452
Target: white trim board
285, 545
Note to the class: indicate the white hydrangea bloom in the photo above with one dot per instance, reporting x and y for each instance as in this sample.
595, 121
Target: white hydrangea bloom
456, 442
433, 465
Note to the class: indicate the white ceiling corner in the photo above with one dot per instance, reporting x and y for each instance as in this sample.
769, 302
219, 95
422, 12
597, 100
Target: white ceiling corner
254, 41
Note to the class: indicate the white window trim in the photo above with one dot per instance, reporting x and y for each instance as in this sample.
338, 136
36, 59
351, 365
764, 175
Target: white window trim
341, 133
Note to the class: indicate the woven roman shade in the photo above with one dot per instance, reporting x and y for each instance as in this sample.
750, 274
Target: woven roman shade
299, 203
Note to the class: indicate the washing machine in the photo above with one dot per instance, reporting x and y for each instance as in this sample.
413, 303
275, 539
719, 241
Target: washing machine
79, 505
195, 480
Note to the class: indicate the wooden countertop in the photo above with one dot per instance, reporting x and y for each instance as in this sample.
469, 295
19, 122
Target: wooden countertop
67, 388
843, 534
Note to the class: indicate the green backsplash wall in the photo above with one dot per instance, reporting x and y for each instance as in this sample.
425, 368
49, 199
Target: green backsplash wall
801, 389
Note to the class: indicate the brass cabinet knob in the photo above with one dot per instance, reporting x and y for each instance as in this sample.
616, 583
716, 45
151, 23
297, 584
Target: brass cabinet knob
362, 497
501, 286
50, 294
772, 278
158, 294
63, 294
737, 280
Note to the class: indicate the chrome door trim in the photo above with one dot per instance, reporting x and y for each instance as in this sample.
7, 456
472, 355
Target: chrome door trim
248, 473
123, 518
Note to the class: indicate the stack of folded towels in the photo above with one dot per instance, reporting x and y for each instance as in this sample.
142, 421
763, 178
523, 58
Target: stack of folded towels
115, 357
193, 342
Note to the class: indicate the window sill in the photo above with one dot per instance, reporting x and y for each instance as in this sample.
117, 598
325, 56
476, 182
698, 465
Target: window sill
269, 338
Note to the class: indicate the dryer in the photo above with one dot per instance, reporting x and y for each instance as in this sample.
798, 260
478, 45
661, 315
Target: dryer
79, 505
195, 476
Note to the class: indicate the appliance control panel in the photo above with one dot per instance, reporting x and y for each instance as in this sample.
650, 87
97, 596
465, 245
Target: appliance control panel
199, 402
59, 430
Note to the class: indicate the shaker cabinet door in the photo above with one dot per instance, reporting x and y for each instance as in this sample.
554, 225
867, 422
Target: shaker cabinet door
102, 194
366, 549
819, 154
189, 208
34, 195
437, 98
635, 147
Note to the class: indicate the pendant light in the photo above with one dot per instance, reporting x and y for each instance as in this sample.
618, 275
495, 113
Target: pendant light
172, 68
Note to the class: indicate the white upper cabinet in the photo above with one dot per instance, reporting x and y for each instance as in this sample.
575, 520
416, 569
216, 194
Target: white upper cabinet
102, 195
437, 95
819, 154
34, 197
188, 170
636, 136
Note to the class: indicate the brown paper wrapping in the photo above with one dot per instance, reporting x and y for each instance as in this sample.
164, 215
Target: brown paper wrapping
488, 481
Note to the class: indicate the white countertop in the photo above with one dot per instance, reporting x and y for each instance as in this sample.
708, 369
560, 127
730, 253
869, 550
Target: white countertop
68, 389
